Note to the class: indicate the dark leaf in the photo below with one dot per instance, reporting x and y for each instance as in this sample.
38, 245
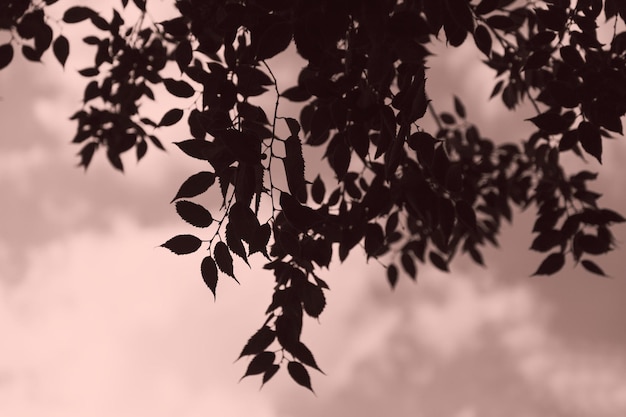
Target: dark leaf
6, 55
459, 108
551, 265
270, 373
487, 6
304, 355
591, 140
547, 240
193, 213
183, 244
89, 72
592, 267
223, 259
318, 190
438, 261
195, 185
296, 94
171, 117
261, 363
78, 14
299, 374
178, 88
61, 49
483, 41
209, 273
313, 300
392, 275
294, 168
409, 265
258, 342
466, 214
274, 40
233, 240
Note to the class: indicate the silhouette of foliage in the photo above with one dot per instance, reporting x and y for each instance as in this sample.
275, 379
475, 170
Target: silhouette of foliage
402, 193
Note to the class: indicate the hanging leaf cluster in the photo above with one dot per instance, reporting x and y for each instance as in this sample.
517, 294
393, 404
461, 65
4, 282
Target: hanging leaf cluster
393, 189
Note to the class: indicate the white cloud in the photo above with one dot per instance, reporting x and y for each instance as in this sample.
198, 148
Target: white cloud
107, 324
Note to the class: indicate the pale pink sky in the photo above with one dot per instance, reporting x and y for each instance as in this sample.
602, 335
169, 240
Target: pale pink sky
99, 321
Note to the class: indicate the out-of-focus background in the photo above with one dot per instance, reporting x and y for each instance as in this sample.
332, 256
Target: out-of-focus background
97, 320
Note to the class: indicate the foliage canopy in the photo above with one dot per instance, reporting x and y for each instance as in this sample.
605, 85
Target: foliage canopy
404, 194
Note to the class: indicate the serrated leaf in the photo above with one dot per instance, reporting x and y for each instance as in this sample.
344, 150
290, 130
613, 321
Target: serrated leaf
592, 267
551, 264
298, 372
61, 49
294, 168
195, 185
301, 352
194, 214
293, 125
258, 342
223, 259
261, 363
233, 240
209, 273
183, 244
171, 117
178, 88
6, 55
270, 373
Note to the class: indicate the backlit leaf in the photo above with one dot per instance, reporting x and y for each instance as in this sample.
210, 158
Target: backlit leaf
194, 214
223, 259
61, 49
551, 265
299, 374
195, 185
183, 244
209, 273
6, 55
592, 267
258, 342
261, 363
171, 117
178, 88
77, 14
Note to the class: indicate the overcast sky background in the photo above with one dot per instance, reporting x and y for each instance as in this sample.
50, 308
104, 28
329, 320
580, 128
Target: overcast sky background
97, 320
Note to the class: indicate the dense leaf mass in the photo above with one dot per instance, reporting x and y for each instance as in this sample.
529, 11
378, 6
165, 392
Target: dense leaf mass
404, 194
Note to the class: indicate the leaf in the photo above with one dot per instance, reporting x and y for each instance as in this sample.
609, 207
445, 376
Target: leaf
244, 146
194, 214
178, 88
590, 139
483, 41
409, 265
77, 14
459, 108
171, 117
296, 94
392, 275
195, 185
550, 122
304, 355
293, 125
209, 273
261, 363
438, 261
547, 240
551, 264
318, 190
298, 372
6, 55
61, 49
183, 244
294, 168
466, 214
274, 40
592, 267
233, 240
223, 259
313, 300
258, 342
